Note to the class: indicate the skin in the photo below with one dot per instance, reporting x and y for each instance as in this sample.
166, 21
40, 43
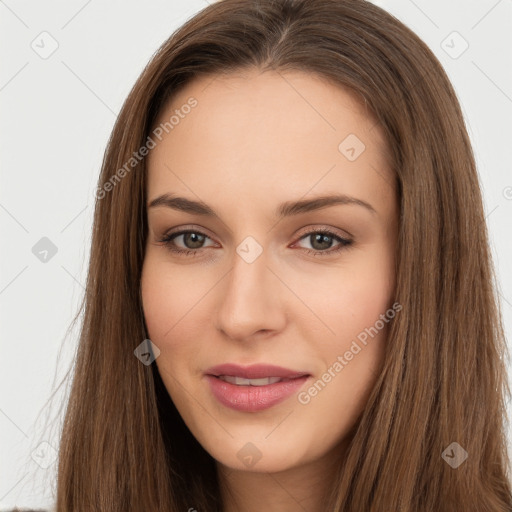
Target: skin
253, 141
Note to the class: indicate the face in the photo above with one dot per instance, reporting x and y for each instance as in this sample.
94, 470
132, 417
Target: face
261, 272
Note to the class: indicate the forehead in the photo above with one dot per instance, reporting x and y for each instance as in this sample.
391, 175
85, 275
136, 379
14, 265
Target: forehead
256, 133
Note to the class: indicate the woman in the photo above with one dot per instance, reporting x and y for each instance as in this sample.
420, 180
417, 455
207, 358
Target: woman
223, 364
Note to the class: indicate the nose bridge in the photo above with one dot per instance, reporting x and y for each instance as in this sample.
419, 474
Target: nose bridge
250, 298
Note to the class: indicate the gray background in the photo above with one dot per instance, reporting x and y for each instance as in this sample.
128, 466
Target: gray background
57, 112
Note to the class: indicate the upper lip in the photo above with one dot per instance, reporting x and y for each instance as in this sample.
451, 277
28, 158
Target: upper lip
255, 371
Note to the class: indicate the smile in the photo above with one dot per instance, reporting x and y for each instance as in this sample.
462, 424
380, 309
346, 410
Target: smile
252, 395
240, 381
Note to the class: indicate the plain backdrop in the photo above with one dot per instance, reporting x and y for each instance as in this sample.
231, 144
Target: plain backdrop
66, 68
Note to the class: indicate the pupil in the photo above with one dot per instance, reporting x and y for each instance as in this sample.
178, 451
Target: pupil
196, 239
325, 239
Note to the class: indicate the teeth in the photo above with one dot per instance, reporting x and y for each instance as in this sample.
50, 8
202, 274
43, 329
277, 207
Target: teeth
240, 381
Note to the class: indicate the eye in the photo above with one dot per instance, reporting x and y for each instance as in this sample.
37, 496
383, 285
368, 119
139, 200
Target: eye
193, 241
319, 239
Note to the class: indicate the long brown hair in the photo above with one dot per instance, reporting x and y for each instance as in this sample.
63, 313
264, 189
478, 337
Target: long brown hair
124, 447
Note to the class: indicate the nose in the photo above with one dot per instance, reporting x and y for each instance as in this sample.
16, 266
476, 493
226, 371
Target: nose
250, 300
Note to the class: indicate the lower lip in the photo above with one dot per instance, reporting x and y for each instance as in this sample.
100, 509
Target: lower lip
253, 398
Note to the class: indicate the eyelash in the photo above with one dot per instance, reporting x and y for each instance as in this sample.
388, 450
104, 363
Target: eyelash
167, 240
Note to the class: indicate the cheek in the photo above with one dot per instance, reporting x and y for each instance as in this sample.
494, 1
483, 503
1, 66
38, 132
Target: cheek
157, 302
168, 295
351, 297
175, 310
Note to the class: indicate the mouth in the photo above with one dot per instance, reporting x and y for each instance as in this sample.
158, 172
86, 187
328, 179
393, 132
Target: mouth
254, 388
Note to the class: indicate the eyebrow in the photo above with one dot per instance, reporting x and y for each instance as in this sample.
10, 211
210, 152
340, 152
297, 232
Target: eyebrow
286, 209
